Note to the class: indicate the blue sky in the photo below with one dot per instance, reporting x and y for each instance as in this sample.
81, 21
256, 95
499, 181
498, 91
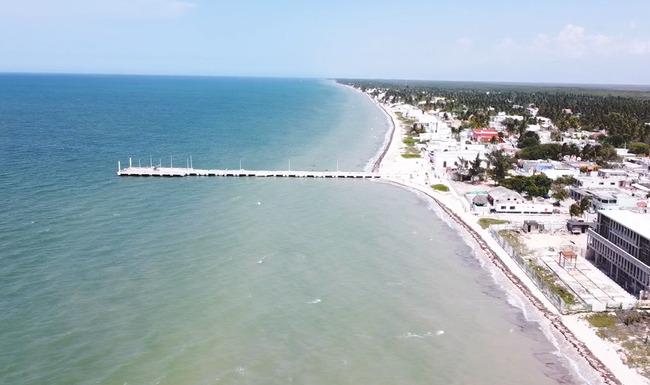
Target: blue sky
566, 41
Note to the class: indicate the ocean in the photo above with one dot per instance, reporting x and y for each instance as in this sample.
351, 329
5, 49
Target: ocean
109, 280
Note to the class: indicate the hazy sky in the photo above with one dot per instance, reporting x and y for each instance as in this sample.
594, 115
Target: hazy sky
572, 41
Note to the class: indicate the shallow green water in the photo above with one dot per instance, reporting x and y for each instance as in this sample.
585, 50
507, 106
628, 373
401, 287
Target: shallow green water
231, 281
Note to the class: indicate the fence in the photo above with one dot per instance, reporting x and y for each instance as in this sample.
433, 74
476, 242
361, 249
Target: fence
549, 291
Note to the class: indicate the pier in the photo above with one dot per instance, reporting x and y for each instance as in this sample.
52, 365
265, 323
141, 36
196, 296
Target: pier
181, 172
159, 171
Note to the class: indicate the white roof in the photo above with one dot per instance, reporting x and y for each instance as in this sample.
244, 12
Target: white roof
501, 192
637, 222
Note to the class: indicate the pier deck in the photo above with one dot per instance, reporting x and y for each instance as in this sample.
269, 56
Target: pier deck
182, 172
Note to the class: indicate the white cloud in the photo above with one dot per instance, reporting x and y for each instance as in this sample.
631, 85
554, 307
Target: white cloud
574, 41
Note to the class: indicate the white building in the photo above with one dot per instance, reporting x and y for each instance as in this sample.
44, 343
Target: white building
598, 180
610, 198
620, 246
498, 121
445, 155
504, 200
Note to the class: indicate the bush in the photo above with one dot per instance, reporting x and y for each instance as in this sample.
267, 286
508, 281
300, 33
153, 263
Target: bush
409, 140
639, 148
487, 222
440, 187
601, 320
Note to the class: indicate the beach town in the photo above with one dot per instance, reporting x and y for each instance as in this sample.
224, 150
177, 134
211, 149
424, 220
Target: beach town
578, 250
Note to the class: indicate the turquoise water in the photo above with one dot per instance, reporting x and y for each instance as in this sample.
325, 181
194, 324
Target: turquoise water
109, 280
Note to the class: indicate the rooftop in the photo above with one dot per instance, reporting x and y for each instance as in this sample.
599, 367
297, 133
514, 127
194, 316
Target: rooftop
639, 223
501, 192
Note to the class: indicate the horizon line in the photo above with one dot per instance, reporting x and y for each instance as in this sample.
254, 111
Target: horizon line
255, 76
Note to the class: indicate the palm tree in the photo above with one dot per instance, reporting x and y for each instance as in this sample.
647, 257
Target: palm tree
475, 170
585, 204
500, 163
559, 192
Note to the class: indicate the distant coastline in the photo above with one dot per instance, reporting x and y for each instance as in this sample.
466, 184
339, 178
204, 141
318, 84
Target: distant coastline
374, 162
640, 90
486, 248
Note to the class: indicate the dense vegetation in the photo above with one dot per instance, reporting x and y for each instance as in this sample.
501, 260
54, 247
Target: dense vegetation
600, 154
533, 186
623, 113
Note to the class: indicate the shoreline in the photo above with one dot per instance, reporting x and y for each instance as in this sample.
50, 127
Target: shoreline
387, 141
607, 371
602, 370
375, 161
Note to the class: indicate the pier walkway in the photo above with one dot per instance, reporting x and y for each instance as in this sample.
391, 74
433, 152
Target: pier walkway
181, 172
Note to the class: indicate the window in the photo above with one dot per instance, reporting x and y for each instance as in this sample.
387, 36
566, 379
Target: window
512, 207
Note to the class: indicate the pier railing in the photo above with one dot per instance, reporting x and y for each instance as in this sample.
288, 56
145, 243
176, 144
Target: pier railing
184, 172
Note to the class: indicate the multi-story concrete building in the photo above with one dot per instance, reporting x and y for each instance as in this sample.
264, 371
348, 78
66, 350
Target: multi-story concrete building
620, 246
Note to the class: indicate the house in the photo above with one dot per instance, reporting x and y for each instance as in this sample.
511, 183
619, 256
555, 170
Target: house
531, 167
501, 195
609, 198
445, 156
498, 121
577, 226
531, 225
485, 135
559, 171
597, 181
504, 200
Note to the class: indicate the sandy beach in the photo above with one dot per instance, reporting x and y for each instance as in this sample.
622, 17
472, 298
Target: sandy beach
594, 359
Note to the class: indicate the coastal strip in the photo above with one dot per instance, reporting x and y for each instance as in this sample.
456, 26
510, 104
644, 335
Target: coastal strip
389, 138
555, 320
391, 150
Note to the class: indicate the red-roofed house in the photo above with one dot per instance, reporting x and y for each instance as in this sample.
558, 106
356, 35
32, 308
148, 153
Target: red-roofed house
485, 135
